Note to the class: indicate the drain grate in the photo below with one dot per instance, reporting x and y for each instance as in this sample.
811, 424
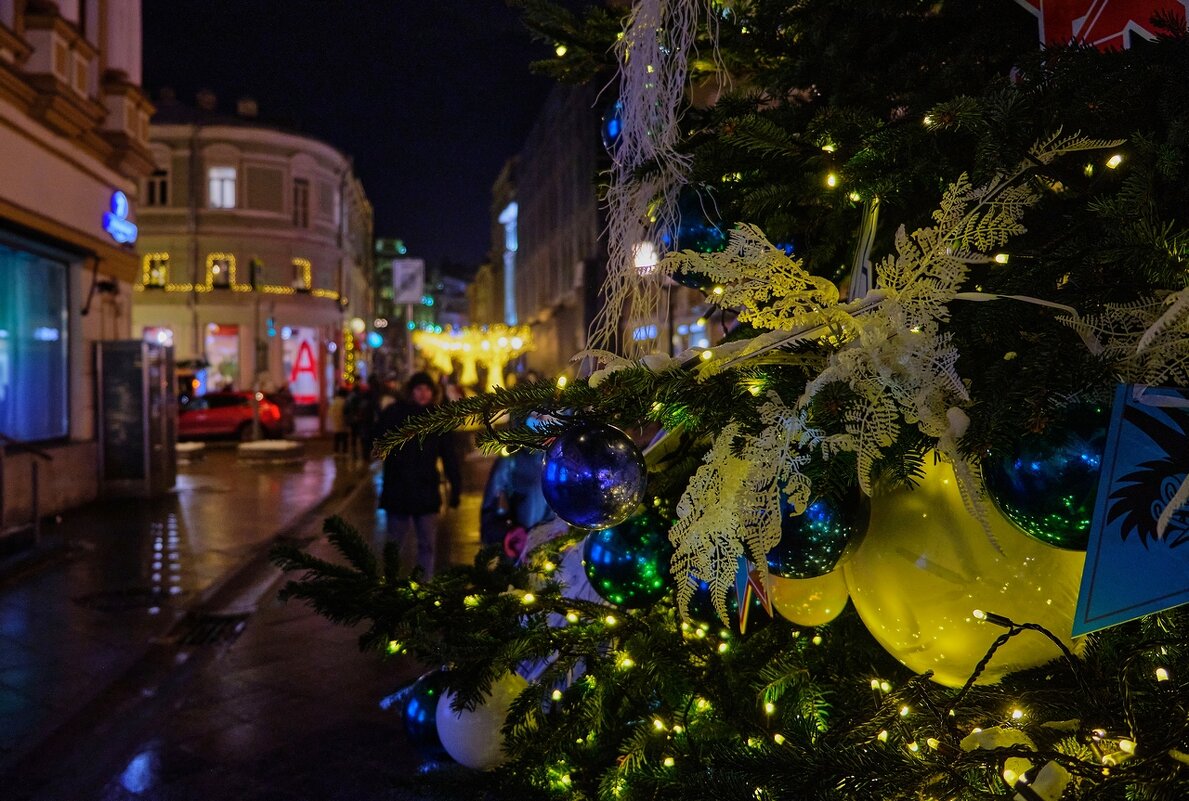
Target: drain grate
204, 629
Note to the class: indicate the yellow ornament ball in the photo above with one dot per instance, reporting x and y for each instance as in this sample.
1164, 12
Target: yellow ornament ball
926, 565
809, 602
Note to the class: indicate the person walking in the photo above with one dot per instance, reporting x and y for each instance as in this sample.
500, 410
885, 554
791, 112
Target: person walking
411, 495
336, 419
362, 419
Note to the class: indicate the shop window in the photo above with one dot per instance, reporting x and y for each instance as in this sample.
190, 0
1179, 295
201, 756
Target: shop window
221, 187
33, 346
299, 349
222, 354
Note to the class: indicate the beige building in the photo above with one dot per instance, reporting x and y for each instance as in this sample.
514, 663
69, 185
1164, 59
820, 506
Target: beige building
73, 130
255, 254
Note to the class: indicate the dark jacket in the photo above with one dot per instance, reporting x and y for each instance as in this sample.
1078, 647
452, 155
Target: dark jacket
411, 478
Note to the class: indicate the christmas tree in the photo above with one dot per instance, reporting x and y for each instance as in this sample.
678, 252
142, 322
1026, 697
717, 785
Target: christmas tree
1005, 219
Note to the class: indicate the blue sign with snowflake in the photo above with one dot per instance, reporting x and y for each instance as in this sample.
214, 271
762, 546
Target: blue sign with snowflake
1131, 569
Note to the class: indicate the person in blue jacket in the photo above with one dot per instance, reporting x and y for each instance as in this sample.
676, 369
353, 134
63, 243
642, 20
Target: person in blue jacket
513, 497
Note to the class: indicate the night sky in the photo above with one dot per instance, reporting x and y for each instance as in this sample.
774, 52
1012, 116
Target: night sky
428, 97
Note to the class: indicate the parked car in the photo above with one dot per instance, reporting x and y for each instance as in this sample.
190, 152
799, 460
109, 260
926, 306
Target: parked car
284, 402
227, 414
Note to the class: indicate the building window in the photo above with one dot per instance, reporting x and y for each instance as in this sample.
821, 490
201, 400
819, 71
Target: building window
155, 269
33, 346
222, 187
301, 203
303, 279
221, 272
157, 193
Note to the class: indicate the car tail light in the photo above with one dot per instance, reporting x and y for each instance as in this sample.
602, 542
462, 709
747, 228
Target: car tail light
270, 412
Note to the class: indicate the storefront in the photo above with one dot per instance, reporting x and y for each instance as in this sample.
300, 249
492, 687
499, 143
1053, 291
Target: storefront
300, 351
222, 348
34, 343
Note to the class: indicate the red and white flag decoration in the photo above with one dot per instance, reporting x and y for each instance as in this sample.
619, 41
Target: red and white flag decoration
1105, 24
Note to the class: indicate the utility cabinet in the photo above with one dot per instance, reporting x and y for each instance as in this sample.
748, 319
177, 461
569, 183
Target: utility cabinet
137, 418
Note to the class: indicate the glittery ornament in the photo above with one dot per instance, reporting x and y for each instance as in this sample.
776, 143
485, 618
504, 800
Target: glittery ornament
811, 543
594, 476
1047, 484
628, 564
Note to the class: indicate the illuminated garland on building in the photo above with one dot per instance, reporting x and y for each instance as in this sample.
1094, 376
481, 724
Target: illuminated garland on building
152, 278
350, 357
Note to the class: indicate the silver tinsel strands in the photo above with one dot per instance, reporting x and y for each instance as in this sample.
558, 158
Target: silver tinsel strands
653, 69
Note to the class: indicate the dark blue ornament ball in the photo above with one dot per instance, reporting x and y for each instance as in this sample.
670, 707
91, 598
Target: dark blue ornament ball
612, 126
594, 476
1047, 484
698, 229
698, 225
701, 609
628, 564
812, 542
420, 715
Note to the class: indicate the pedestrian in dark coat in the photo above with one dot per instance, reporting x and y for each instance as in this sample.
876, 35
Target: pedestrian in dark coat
411, 495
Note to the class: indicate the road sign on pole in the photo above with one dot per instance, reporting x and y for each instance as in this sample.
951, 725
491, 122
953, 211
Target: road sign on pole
408, 280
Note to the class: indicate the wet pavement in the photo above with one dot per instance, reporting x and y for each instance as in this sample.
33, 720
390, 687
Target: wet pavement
276, 703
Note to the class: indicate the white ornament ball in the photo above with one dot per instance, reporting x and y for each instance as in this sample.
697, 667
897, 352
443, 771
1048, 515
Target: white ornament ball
473, 739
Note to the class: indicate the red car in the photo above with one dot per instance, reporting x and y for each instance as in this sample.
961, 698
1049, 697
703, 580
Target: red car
219, 414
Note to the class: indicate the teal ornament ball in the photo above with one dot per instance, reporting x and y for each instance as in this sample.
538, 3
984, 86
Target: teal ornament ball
1047, 484
628, 564
594, 476
811, 543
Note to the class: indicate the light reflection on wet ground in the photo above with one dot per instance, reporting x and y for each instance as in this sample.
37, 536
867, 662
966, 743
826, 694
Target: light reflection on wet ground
70, 629
292, 709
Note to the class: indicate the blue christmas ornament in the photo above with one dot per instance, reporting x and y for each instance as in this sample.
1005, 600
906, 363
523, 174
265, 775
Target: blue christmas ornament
612, 126
628, 564
594, 476
702, 611
698, 225
811, 543
698, 229
1048, 483
420, 715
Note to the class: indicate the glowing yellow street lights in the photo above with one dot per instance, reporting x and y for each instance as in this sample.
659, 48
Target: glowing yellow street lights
491, 346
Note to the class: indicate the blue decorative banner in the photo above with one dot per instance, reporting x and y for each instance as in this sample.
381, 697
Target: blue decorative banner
1131, 570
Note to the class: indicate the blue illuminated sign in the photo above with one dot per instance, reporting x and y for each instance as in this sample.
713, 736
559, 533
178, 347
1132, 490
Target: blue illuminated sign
116, 221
